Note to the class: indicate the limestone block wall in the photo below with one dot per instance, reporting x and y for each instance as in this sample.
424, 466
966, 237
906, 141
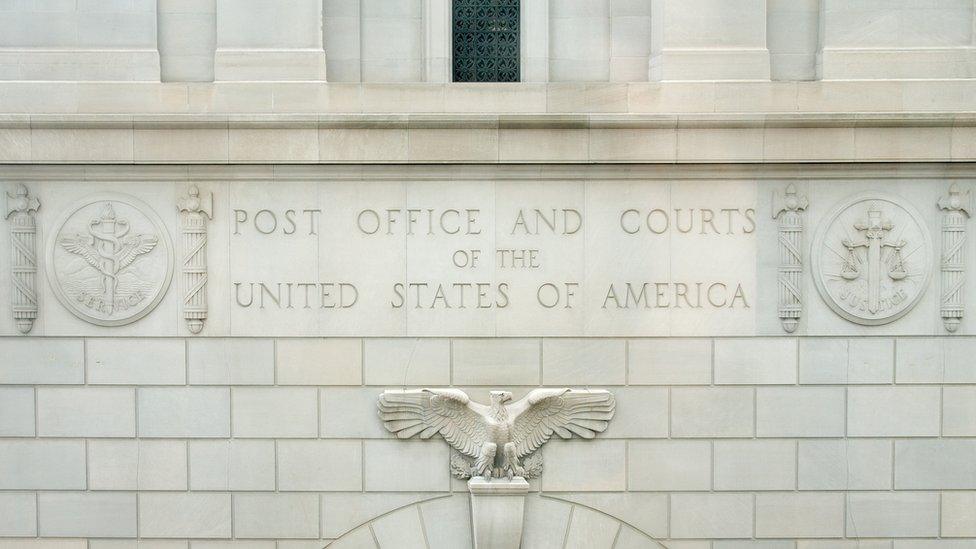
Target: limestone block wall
185, 442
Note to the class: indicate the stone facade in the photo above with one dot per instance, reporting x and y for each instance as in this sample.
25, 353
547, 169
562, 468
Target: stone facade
232, 225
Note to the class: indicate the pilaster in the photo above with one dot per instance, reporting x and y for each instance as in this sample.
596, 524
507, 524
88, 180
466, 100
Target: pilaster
437, 40
534, 25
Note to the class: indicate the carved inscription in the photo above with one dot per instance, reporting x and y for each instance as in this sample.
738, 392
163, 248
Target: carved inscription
110, 259
462, 258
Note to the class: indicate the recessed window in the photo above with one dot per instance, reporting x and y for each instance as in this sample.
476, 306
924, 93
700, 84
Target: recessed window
486, 40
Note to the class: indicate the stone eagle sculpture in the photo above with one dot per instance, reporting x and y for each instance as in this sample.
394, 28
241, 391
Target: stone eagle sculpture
492, 441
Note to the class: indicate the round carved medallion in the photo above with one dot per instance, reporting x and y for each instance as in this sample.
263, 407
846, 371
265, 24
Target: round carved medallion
110, 259
872, 258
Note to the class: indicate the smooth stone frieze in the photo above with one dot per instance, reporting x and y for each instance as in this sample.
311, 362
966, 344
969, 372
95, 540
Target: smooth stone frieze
110, 259
956, 208
788, 210
20, 210
493, 440
196, 210
872, 258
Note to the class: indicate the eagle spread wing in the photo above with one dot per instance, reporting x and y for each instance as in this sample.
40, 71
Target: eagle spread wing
134, 246
430, 411
561, 411
80, 245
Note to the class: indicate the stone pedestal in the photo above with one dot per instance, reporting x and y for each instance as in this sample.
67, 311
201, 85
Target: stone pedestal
67, 41
497, 510
708, 40
898, 39
269, 40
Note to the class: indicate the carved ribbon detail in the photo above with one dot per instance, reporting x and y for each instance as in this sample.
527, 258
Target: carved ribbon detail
956, 207
788, 211
20, 210
196, 210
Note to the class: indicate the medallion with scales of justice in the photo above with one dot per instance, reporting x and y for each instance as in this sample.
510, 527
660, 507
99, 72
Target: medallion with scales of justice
872, 258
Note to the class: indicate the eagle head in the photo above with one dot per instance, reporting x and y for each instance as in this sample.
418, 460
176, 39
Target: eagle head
500, 397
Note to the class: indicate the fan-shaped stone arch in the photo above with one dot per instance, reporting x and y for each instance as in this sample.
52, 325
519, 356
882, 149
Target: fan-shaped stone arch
591, 521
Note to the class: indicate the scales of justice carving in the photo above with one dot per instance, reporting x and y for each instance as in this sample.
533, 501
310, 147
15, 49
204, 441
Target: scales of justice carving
196, 210
956, 208
872, 258
110, 259
496, 446
20, 210
788, 210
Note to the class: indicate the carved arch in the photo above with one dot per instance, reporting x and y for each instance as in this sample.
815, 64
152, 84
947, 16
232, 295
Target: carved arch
443, 521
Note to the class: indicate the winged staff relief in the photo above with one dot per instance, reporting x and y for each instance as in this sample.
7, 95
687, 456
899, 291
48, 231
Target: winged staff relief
111, 260
500, 439
109, 249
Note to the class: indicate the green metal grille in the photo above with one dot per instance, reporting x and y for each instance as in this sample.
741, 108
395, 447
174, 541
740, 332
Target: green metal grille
486, 40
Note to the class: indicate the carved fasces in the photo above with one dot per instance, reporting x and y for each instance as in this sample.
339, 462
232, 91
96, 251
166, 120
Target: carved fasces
500, 439
196, 210
956, 208
788, 210
110, 259
872, 258
19, 210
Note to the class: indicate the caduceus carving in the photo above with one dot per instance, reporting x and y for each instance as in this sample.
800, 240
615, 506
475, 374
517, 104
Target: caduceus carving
492, 441
109, 249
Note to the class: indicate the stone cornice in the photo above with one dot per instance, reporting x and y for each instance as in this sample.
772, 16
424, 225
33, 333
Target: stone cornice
502, 139
838, 96
491, 121
301, 123
475, 172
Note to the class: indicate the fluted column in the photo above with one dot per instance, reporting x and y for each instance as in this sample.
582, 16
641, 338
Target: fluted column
269, 40
708, 40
